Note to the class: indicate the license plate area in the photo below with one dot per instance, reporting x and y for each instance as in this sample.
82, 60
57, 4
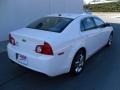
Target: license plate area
21, 58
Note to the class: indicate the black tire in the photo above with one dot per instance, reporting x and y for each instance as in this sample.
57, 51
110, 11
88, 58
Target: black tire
78, 63
109, 43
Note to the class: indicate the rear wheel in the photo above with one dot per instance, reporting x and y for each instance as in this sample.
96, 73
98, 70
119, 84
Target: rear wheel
78, 62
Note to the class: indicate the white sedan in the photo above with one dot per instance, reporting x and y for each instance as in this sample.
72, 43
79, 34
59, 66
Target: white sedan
59, 43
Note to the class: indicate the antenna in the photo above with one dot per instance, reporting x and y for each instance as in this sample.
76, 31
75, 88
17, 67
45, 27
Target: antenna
60, 15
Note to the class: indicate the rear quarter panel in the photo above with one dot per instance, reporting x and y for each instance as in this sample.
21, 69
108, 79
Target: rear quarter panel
69, 42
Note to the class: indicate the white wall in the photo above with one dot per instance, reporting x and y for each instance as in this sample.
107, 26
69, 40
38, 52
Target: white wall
15, 14
61, 6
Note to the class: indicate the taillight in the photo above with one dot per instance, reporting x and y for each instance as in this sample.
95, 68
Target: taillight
11, 39
44, 49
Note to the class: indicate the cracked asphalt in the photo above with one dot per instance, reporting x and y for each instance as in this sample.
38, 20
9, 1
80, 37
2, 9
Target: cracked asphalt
101, 72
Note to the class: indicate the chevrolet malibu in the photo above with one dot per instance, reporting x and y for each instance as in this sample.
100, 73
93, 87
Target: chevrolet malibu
59, 43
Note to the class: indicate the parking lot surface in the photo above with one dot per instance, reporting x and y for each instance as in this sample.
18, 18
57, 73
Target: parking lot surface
101, 72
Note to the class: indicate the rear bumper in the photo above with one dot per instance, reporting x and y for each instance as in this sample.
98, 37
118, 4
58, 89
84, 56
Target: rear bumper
49, 65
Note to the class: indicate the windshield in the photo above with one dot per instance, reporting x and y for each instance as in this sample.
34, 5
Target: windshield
53, 24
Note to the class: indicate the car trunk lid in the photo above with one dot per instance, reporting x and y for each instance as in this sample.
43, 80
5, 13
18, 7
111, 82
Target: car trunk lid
27, 39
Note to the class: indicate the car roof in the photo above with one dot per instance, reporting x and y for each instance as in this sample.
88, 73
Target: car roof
72, 16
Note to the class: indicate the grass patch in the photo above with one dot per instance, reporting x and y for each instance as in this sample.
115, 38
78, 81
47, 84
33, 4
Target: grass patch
105, 7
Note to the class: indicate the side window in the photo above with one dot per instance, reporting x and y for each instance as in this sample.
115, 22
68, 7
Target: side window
87, 24
82, 26
98, 21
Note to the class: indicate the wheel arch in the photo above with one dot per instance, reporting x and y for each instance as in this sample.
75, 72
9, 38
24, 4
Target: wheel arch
111, 33
81, 48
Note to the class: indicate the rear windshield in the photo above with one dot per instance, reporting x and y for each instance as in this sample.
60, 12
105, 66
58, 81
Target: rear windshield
53, 24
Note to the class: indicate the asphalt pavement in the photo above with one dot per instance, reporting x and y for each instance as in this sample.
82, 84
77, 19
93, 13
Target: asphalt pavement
101, 72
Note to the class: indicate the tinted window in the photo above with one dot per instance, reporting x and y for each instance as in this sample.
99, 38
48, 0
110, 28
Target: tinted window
53, 24
82, 26
98, 21
87, 24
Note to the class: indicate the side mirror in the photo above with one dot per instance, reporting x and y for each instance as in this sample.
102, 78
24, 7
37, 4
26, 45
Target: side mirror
105, 25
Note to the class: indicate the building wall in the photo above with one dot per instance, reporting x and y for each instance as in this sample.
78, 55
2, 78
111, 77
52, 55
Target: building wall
15, 14
61, 6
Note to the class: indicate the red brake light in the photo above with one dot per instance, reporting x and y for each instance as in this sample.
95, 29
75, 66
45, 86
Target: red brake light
11, 39
44, 49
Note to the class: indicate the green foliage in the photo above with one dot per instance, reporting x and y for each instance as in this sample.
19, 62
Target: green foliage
106, 7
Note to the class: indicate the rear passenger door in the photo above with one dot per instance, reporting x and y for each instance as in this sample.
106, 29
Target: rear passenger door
90, 35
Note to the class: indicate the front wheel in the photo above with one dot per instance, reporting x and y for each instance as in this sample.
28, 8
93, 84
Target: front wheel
109, 43
78, 62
